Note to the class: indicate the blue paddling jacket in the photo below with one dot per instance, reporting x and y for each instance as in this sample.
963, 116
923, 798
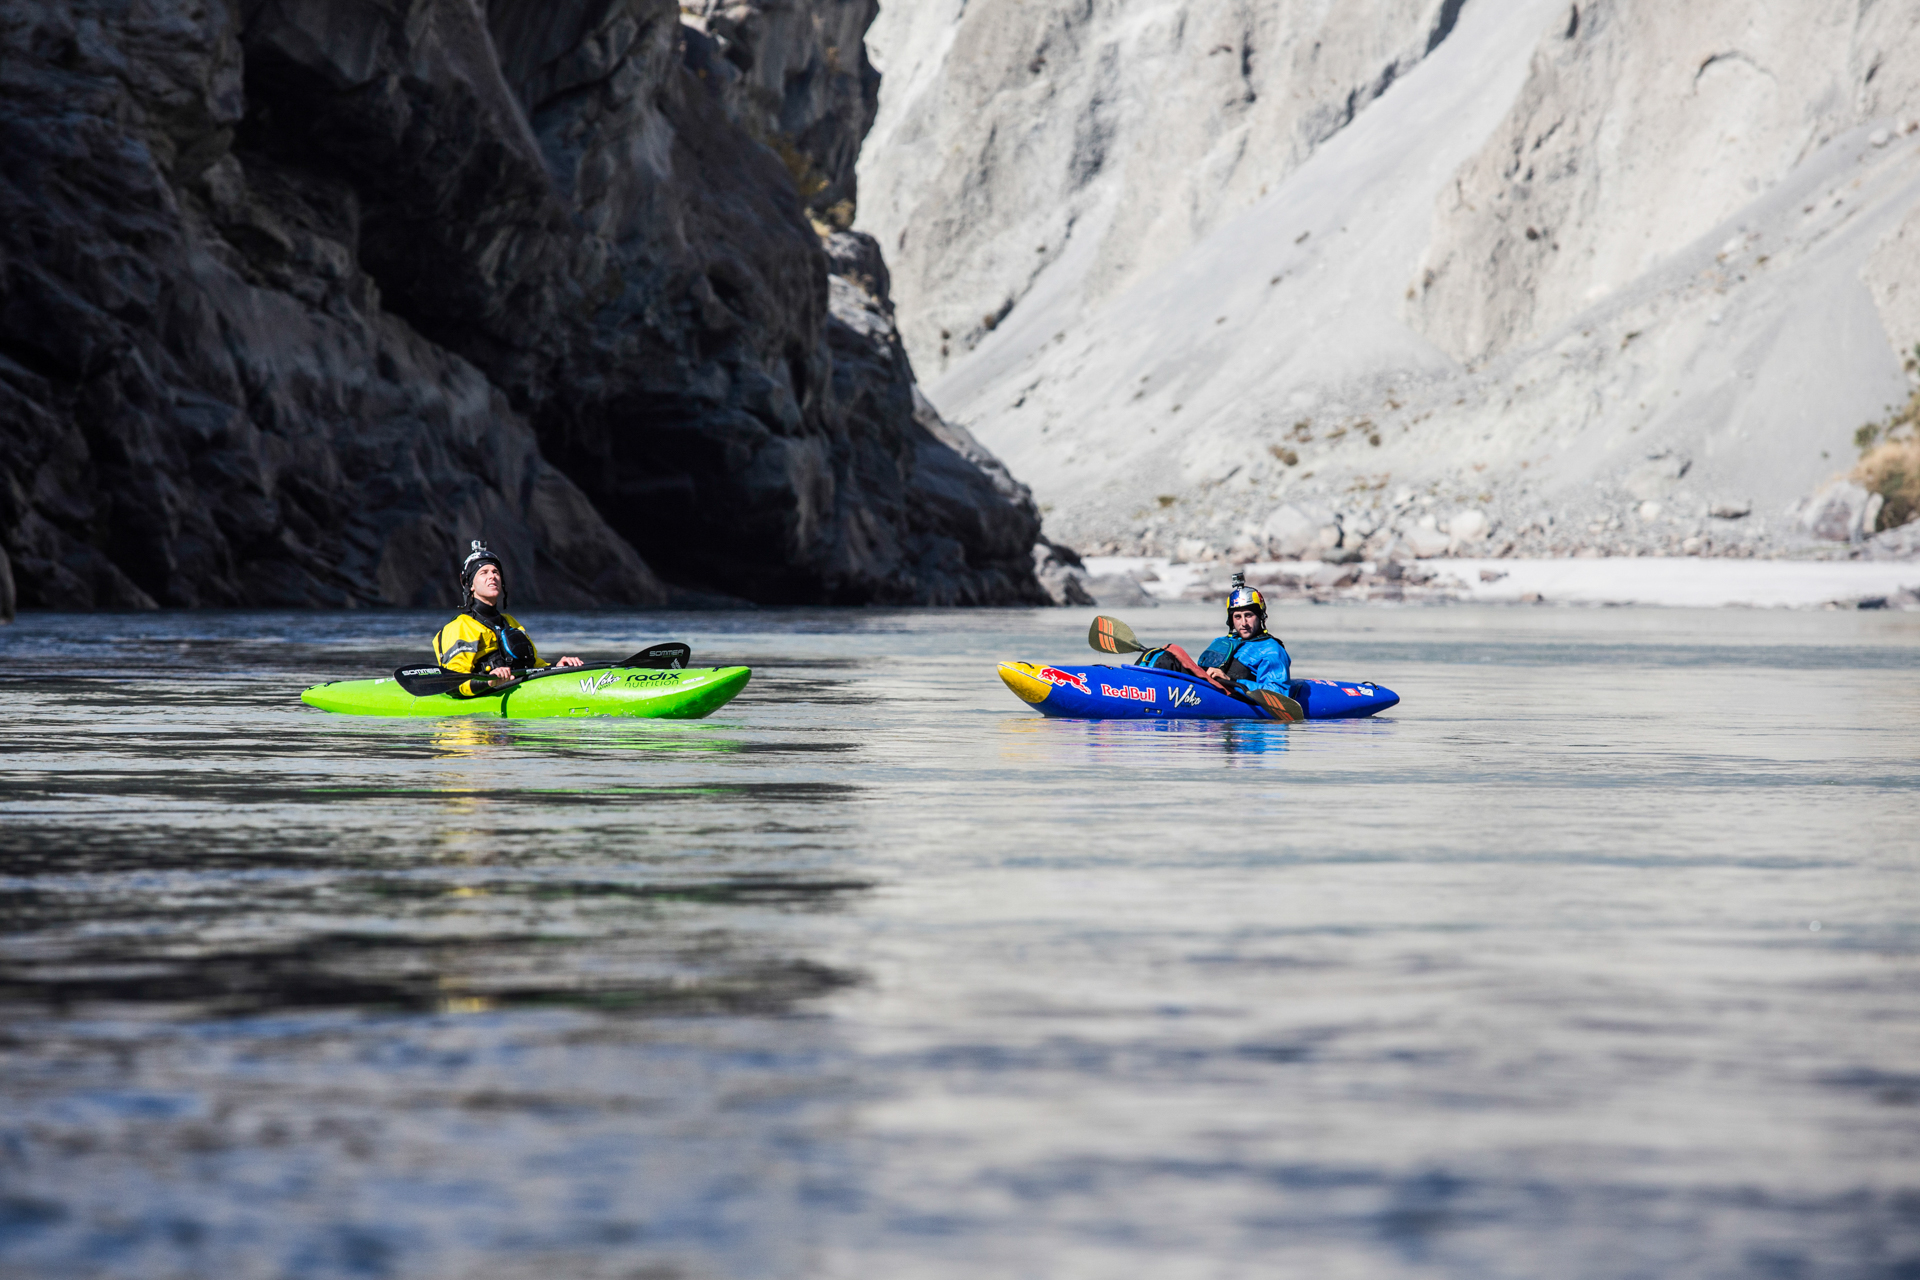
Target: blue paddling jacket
1259, 663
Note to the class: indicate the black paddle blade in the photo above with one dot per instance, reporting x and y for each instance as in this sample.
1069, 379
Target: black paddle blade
672, 656
424, 682
1110, 635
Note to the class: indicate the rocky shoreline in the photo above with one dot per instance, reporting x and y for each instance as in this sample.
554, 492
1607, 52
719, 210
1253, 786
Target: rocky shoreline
1120, 582
1650, 514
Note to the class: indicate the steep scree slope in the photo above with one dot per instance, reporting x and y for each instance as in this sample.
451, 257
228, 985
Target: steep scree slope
1603, 276
298, 295
1065, 149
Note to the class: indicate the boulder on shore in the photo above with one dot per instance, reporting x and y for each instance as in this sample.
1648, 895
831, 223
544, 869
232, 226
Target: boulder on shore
1841, 511
1295, 530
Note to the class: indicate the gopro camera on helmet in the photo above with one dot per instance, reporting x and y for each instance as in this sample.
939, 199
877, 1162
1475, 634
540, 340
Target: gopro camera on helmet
1242, 596
478, 556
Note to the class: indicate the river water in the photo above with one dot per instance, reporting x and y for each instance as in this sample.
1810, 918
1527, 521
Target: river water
1597, 957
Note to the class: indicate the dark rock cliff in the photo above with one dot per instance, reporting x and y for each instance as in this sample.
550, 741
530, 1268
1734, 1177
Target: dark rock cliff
299, 294
795, 76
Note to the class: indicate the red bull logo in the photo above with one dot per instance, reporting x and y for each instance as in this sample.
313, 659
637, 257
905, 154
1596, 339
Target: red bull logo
1054, 675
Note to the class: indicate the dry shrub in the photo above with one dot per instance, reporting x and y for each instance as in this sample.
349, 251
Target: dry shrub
1890, 458
1892, 470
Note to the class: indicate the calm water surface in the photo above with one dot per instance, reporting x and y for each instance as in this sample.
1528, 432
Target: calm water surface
876, 973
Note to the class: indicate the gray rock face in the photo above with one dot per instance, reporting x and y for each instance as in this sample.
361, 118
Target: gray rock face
1641, 127
201, 400
1116, 591
300, 295
1893, 273
1841, 511
1656, 476
1902, 543
968, 529
1563, 238
1063, 574
1294, 531
794, 74
1033, 149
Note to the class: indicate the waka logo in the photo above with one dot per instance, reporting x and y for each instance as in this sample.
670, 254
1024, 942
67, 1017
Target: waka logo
1128, 691
1183, 697
592, 684
1054, 675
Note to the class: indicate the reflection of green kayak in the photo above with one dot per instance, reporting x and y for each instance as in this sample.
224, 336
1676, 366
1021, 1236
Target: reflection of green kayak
587, 691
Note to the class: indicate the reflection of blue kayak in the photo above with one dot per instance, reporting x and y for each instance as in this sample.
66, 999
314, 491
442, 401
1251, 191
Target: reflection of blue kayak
1147, 693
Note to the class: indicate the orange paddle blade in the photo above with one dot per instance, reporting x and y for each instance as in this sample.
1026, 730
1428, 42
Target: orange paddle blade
1110, 635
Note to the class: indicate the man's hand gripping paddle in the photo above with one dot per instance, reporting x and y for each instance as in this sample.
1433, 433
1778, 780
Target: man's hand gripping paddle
424, 682
1110, 635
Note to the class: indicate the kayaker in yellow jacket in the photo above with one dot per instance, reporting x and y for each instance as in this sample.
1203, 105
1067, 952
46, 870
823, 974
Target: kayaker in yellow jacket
481, 636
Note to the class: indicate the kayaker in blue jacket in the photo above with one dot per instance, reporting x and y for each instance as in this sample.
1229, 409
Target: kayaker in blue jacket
1247, 656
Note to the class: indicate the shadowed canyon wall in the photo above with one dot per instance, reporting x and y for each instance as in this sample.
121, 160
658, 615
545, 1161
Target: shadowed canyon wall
300, 295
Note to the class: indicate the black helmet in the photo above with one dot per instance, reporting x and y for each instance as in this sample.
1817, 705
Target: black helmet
471, 565
1242, 596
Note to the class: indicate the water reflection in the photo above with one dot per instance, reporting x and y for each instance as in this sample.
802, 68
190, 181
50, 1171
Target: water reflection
1034, 738
461, 739
879, 973
314, 940
457, 739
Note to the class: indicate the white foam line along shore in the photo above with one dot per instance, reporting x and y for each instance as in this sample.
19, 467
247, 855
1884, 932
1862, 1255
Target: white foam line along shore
1650, 580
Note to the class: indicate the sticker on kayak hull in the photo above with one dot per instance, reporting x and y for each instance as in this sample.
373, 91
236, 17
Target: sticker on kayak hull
1128, 691
1055, 676
593, 684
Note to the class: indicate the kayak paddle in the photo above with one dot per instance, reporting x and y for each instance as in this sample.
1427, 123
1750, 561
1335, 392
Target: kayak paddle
424, 682
1277, 705
671, 656
1110, 635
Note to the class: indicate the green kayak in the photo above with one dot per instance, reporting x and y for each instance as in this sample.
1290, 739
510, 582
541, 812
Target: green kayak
686, 694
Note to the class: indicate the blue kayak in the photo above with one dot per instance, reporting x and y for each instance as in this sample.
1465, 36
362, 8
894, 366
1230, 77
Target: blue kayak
1148, 693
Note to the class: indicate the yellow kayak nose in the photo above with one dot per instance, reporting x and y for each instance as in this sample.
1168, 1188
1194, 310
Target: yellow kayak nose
1026, 686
